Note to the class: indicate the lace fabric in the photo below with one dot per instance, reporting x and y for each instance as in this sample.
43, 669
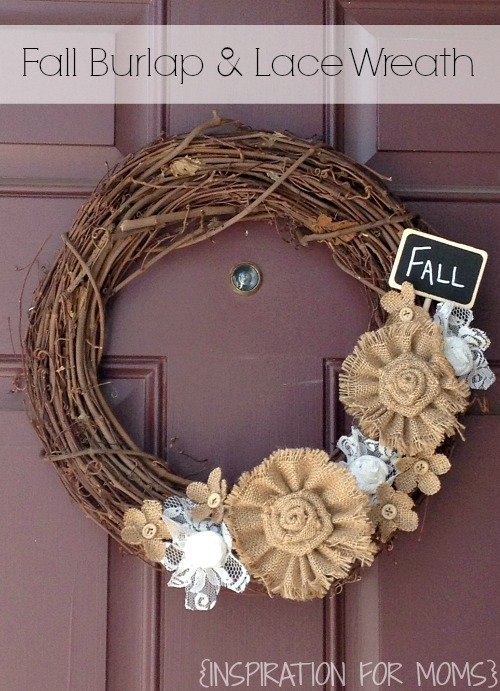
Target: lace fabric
202, 578
371, 463
464, 345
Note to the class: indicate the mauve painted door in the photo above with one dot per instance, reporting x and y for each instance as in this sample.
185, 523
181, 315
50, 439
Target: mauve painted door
197, 372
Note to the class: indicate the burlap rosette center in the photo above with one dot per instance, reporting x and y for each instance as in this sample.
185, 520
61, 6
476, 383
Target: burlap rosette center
399, 385
300, 522
407, 385
296, 523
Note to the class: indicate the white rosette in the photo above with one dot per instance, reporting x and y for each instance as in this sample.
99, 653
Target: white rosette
200, 556
464, 345
370, 463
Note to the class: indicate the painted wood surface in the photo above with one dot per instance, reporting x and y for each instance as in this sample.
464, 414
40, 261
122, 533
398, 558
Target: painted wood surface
195, 368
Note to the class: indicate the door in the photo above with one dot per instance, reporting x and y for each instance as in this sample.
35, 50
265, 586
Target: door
206, 377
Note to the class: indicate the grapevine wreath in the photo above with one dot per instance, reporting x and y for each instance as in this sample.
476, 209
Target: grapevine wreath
301, 521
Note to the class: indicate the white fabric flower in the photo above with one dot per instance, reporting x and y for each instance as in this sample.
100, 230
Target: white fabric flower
200, 556
369, 462
464, 346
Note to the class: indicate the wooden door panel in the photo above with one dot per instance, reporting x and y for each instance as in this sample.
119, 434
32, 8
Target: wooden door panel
243, 629
415, 11
64, 150
53, 594
428, 159
57, 609
304, 120
245, 375
432, 598
456, 129
440, 579
70, 598
227, 12
69, 124
55, 12
196, 372
31, 228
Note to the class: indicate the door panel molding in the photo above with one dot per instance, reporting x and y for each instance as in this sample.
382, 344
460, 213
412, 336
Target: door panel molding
65, 169
335, 417
133, 639
334, 605
442, 193
134, 588
352, 621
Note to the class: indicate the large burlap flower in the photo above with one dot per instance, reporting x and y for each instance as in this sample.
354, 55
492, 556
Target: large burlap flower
299, 522
146, 527
402, 389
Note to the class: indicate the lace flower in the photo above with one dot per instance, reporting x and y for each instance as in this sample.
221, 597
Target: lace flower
464, 346
209, 497
299, 522
401, 388
421, 472
370, 463
200, 556
393, 512
146, 527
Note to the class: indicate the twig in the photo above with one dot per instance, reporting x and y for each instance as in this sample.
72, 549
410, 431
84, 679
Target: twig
135, 218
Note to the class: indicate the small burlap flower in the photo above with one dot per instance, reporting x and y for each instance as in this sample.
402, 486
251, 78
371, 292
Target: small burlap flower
299, 522
402, 389
394, 512
146, 527
401, 307
209, 497
421, 472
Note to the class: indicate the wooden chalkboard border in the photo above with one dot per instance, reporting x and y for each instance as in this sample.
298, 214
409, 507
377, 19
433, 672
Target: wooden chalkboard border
411, 231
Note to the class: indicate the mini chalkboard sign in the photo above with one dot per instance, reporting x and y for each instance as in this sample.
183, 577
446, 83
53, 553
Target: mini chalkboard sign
438, 268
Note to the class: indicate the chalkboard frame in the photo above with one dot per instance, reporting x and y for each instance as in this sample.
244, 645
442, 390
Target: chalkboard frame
393, 283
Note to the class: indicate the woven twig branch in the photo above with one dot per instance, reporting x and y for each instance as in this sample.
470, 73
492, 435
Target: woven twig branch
173, 194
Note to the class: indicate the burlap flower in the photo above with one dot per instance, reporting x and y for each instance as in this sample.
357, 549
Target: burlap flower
299, 521
421, 472
401, 307
402, 389
146, 527
393, 512
209, 497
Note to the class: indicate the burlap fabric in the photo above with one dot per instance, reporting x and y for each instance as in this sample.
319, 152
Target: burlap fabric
397, 303
145, 527
299, 522
401, 515
402, 389
421, 472
209, 497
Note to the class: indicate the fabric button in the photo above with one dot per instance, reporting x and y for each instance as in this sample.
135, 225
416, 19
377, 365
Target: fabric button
421, 467
389, 511
214, 500
149, 531
406, 314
